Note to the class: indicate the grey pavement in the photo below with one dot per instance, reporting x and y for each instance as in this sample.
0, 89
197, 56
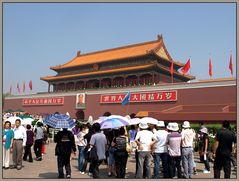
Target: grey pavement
47, 168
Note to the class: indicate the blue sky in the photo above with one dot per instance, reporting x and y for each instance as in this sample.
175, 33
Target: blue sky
39, 35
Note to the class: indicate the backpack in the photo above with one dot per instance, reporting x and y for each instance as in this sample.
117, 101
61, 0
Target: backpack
63, 146
120, 143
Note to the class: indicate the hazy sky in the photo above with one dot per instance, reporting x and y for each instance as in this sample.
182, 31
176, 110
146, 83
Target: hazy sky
39, 35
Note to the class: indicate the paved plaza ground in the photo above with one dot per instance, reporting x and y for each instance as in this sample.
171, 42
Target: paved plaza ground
47, 168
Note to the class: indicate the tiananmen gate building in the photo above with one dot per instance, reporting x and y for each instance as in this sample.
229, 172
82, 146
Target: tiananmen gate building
97, 82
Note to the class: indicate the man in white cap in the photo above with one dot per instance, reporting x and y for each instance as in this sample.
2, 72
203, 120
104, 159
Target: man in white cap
188, 136
161, 151
174, 148
145, 140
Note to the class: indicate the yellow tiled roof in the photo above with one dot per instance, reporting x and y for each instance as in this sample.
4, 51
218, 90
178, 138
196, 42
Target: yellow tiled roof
129, 51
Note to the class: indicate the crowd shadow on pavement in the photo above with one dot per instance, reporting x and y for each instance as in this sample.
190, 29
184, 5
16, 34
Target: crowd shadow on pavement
49, 175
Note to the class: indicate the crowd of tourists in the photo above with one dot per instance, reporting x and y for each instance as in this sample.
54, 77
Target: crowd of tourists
167, 146
151, 144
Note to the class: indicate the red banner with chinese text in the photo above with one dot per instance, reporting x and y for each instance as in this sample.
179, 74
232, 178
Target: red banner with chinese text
43, 101
141, 97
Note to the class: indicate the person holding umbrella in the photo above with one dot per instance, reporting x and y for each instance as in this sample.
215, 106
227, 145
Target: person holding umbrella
121, 154
65, 142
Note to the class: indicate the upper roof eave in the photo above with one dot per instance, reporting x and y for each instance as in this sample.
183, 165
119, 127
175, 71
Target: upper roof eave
52, 78
150, 44
114, 54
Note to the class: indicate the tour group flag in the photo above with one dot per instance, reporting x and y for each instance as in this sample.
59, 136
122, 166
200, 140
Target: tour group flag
23, 87
186, 67
171, 69
18, 88
126, 99
30, 84
210, 67
230, 65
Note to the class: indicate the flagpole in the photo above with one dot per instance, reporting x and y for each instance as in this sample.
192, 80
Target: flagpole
232, 63
210, 65
190, 65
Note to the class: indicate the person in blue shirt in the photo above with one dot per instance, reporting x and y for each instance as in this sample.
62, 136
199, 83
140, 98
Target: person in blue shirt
132, 134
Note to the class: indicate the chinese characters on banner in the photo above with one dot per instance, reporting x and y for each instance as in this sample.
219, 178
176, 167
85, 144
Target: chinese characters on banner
43, 101
141, 97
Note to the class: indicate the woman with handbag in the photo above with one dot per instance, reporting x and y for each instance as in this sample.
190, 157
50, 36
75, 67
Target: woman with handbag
121, 155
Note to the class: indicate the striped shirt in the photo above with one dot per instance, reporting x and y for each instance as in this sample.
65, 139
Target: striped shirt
174, 144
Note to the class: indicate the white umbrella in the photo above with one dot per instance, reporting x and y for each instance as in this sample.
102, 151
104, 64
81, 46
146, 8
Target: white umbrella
134, 121
13, 119
150, 120
128, 116
90, 120
114, 121
99, 120
26, 121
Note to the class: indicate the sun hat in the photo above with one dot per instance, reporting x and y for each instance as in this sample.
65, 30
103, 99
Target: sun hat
169, 126
160, 124
186, 124
173, 126
143, 125
204, 130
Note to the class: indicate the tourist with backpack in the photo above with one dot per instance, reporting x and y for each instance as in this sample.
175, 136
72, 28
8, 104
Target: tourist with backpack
65, 145
120, 154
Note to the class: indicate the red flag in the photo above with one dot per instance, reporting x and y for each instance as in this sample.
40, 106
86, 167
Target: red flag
11, 89
210, 67
23, 87
30, 84
230, 65
18, 88
171, 69
186, 67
